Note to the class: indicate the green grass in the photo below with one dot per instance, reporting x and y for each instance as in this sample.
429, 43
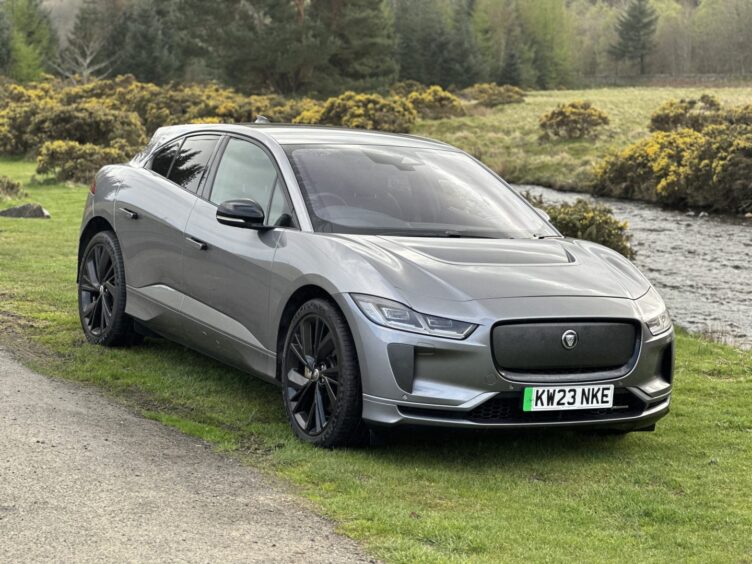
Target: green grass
507, 138
681, 494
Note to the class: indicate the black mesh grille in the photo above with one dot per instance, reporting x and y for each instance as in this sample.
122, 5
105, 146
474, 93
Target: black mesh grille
534, 351
507, 408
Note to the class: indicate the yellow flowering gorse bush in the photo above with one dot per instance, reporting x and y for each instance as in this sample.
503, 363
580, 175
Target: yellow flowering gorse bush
574, 120
436, 103
705, 165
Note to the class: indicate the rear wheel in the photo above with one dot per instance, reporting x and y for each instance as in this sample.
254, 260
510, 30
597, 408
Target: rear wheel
101, 293
321, 378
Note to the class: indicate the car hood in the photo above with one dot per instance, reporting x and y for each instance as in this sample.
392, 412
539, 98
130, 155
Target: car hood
478, 269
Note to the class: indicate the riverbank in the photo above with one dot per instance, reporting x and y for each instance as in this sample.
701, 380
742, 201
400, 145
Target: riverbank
507, 138
682, 493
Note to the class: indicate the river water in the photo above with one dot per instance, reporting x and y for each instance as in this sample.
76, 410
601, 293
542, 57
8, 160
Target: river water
702, 266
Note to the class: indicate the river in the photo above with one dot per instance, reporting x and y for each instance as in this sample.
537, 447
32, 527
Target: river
702, 266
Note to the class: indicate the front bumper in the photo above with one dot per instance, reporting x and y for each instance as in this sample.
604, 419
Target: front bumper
411, 379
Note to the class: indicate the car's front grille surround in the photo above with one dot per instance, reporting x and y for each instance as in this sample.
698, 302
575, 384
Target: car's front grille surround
549, 362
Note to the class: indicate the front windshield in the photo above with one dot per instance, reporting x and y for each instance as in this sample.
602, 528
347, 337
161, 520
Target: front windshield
384, 190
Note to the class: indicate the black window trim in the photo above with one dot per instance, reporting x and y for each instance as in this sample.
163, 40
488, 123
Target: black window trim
208, 180
180, 141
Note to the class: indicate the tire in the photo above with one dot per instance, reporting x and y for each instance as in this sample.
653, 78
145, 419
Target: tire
101, 294
321, 379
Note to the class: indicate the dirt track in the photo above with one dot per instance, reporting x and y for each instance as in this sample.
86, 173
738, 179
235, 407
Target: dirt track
83, 479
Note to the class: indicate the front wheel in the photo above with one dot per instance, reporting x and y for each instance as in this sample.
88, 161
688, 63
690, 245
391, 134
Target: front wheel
101, 293
321, 378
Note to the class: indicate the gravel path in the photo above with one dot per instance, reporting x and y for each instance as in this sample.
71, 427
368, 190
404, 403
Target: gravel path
82, 479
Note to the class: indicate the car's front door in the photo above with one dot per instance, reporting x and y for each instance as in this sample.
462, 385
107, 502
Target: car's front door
151, 211
227, 269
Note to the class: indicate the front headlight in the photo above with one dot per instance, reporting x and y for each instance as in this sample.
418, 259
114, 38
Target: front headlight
398, 316
654, 312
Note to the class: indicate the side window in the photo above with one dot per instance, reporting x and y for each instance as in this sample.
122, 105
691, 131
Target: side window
163, 159
191, 161
279, 207
245, 171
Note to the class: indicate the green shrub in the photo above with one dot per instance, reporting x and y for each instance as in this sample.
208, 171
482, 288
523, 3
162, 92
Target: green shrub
365, 111
15, 126
9, 188
574, 120
711, 169
649, 169
491, 95
436, 103
733, 177
311, 116
288, 110
406, 87
174, 104
86, 122
589, 221
69, 160
740, 115
687, 114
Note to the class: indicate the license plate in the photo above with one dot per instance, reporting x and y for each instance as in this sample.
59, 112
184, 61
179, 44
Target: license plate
568, 397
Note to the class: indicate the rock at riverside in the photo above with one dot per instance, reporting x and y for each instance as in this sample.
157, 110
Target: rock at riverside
27, 211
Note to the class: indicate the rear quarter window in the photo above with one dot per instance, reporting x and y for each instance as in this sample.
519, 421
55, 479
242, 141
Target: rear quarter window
162, 160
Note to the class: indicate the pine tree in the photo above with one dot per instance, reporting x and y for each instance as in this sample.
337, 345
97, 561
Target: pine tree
546, 28
423, 37
463, 63
511, 72
147, 48
288, 50
636, 29
32, 40
364, 56
5, 39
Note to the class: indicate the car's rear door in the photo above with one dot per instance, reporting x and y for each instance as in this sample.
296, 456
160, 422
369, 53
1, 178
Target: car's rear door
151, 210
227, 269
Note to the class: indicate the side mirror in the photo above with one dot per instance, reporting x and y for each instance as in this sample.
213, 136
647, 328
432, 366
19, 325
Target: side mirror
245, 213
543, 214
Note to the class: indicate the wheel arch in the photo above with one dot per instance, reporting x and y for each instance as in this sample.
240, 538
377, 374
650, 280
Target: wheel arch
96, 224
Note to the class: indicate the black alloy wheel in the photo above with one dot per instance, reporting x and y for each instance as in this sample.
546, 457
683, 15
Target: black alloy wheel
101, 293
321, 378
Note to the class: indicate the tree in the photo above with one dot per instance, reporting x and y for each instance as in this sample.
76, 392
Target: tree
463, 64
32, 40
511, 72
423, 37
147, 42
84, 57
547, 28
288, 49
722, 36
364, 55
636, 29
5, 39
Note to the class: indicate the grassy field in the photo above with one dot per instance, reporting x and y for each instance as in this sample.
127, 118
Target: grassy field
507, 138
681, 494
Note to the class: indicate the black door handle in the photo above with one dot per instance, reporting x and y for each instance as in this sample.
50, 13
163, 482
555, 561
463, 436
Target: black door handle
130, 213
200, 245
